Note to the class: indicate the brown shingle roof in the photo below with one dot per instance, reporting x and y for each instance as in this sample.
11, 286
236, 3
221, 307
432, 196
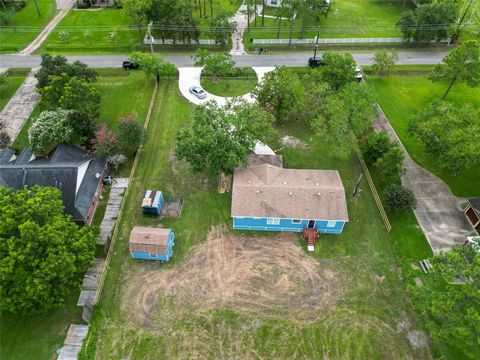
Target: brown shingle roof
152, 240
271, 191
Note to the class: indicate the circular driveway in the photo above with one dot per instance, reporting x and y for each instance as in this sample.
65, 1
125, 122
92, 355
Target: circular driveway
190, 76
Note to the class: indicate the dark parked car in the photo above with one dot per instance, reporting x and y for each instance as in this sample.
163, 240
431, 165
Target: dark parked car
129, 65
316, 61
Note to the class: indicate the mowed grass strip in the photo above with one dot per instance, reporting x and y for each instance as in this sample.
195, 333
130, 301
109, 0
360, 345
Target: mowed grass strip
228, 87
402, 97
124, 93
345, 19
13, 80
374, 299
26, 25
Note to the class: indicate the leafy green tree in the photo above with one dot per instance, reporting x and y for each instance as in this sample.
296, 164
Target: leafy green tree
316, 92
461, 64
56, 65
280, 92
433, 21
50, 129
71, 94
138, 10
281, 12
450, 299
221, 30
130, 136
376, 145
340, 69
221, 137
153, 65
345, 118
215, 64
43, 254
450, 134
384, 60
390, 164
399, 198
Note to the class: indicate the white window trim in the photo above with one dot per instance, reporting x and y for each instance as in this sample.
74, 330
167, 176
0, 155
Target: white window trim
331, 223
273, 221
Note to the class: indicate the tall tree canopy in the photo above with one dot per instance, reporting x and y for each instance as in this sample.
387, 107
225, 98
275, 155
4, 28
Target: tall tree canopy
153, 65
345, 117
56, 65
280, 92
50, 129
215, 64
221, 137
43, 254
450, 299
339, 69
450, 134
461, 64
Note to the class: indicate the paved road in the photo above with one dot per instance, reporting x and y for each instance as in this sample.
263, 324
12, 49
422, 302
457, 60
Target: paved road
437, 211
423, 57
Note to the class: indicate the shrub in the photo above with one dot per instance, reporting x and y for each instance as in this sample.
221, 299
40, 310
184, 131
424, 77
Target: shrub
399, 198
105, 142
64, 37
130, 136
375, 147
390, 165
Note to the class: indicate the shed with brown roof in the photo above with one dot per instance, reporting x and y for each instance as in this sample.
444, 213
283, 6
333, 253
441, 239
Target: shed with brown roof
151, 243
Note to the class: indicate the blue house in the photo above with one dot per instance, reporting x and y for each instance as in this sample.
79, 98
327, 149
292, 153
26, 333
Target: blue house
152, 202
151, 243
265, 196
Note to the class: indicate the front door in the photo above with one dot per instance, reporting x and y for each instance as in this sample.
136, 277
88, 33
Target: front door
311, 224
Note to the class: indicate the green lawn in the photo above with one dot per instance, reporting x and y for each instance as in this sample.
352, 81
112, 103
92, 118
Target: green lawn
361, 326
229, 86
124, 93
13, 80
90, 31
26, 25
346, 19
401, 97
37, 337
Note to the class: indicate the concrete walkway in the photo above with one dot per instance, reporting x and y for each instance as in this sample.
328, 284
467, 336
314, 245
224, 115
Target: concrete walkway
19, 108
437, 212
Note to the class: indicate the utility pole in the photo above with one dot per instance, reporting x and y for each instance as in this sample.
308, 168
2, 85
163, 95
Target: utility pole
150, 36
38, 9
316, 45
457, 31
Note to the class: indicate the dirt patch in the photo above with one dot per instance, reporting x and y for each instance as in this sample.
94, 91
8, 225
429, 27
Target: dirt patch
245, 274
417, 339
292, 142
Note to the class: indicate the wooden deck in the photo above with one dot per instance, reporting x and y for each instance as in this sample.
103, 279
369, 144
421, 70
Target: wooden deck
111, 212
73, 342
90, 282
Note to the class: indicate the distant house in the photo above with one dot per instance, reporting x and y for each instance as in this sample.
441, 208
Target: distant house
152, 202
151, 243
473, 213
68, 168
265, 196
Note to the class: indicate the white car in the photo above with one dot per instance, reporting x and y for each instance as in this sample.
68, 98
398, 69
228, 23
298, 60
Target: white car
198, 92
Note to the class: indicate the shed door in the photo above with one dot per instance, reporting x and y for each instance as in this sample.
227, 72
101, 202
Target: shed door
311, 224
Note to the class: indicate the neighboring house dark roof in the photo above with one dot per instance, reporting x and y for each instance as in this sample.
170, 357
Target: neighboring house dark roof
475, 204
67, 168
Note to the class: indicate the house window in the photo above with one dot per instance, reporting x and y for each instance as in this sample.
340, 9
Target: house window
273, 221
152, 255
296, 221
274, 2
331, 223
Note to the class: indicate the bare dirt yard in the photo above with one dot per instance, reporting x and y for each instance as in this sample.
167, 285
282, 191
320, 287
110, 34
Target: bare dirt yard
246, 274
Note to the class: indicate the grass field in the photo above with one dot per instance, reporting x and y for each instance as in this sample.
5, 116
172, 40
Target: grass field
26, 25
13, 80
401, 97
366, 321
90, 31
346, 19
229, 87
124, 93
